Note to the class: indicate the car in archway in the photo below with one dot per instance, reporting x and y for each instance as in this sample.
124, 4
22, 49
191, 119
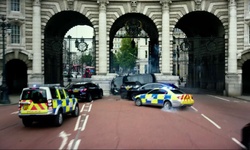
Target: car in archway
148, 87
85, 91
118, 83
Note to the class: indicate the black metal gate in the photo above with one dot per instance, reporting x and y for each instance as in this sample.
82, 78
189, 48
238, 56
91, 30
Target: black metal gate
205, 61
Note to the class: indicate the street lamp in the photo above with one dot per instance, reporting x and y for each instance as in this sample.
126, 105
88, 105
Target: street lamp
69, 69
4, 97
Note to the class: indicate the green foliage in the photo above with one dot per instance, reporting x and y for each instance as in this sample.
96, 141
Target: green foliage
87, 59
127, 55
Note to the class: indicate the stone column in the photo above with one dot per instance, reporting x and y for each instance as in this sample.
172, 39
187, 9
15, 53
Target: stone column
102, 63
233, 83
36, 43
165, 38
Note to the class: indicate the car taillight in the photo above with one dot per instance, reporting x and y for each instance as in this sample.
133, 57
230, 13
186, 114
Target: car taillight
50, 104
83, 90
69, 90
19, 105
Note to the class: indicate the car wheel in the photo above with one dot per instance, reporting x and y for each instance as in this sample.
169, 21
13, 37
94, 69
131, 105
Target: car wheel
123, 95
27, 122
167, 104
100, 95
89, 99
75, 113
138, 102
58, 119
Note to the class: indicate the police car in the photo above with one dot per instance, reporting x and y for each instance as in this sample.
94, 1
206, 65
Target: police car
166, 97
46, 102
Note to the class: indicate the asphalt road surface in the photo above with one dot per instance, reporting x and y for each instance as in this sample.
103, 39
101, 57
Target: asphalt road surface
214, 122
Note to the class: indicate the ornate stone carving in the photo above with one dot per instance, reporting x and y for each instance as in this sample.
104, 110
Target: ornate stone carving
102, 4
36, 3
70, 4
232, 2
133, 5
197, 4
165, 4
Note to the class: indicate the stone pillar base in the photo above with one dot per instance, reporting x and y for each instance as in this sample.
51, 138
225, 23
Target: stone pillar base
233, 85
104, 82
35, 79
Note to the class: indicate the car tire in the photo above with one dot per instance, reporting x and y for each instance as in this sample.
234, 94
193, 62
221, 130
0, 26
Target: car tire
89, 98
100, 95
27, 122
167, 105
58, 121
123, 95
75, 113
138, 102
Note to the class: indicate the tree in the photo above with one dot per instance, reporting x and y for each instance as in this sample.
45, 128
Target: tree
87, 59
127, 55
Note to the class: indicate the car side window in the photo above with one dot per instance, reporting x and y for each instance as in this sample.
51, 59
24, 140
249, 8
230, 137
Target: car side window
61, 94
53, 93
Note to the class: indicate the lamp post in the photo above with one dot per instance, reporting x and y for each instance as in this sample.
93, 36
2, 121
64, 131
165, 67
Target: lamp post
69, 69
4, 97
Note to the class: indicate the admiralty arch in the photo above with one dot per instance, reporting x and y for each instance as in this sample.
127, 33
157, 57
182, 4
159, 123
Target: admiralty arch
217, 39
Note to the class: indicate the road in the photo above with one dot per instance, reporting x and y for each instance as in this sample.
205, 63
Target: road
214, 122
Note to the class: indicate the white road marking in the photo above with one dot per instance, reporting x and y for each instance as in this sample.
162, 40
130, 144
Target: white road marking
90, 107
194, 108
64, 137
70, 144
16, 112
77, 123
211, 121
239, 143
85, 122
82, 107
220, 98
75, 146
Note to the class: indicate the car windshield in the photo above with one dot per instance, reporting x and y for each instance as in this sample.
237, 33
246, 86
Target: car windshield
35, 95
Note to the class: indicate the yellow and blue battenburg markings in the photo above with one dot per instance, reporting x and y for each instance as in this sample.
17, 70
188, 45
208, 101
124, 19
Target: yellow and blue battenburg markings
154, 98
66, 104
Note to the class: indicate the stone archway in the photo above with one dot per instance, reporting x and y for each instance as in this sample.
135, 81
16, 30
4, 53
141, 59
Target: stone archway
148, 26
54, 32
16, 76
206, 53
245, 78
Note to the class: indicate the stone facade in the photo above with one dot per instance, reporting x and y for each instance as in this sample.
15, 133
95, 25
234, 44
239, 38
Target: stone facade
35, 16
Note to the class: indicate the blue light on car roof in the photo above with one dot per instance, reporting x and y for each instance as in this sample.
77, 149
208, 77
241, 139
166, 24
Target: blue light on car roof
168, 87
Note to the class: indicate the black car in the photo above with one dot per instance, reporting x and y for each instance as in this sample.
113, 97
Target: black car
119, 81
126, 86
147, 87
245, 136
116, 84
85, 91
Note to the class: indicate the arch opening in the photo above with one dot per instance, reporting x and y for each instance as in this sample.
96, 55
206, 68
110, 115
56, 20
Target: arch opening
56, 46
203, 48
16, 78
145, 38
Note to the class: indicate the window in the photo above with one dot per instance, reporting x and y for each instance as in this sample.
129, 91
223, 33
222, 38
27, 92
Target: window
15, 5
15, 34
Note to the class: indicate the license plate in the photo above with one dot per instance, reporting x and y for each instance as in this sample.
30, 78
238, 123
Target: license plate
75, 91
